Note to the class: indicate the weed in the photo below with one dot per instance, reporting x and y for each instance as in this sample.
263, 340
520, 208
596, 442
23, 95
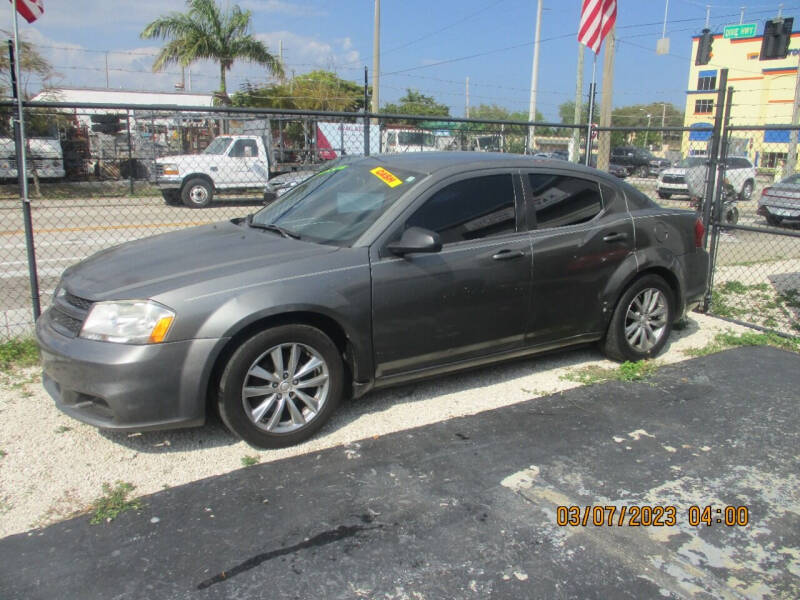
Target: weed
63, 429
21, 352
3, 453
728, 339
249, 461
627, 371
5, 506
113, 502
733, 287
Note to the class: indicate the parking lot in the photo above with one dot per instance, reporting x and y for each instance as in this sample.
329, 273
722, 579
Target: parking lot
468, 507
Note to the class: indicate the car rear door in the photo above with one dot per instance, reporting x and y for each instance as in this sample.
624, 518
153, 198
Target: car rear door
581, 232
468, 300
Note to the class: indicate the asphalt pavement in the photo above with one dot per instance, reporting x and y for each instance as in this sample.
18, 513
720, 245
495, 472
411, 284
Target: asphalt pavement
469, 508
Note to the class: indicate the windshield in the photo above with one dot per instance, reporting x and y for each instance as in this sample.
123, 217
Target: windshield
690, 161
791, 179
218, 146
416, 138
337, 205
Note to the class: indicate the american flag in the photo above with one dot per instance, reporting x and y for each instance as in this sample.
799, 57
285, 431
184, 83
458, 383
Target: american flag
29, 9
597, 19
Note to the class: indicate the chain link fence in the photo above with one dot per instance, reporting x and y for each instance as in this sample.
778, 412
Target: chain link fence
101, 175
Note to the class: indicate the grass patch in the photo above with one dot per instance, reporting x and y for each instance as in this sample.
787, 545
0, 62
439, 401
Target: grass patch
63, 429
627, 371
249, 461
113, 502
3, 453
728, 339
19, 353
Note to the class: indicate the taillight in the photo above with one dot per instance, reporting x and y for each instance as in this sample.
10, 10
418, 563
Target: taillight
699, 230
766, 191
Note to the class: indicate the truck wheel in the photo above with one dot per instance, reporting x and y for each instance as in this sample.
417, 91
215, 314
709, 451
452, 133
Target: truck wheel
197, 193
280, 386
171, 197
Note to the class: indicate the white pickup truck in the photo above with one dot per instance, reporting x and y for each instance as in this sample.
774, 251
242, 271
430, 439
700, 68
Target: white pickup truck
236, 163
45, 158
229, 163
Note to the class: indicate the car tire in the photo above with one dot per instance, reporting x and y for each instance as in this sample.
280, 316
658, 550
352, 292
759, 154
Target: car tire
664, 195
773, 220
171, 197
285, 416
197, 193
730, 215
747, 191
642, 172
621, 342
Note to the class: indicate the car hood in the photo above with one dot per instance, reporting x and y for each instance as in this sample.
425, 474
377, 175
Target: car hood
674, 171
151, 266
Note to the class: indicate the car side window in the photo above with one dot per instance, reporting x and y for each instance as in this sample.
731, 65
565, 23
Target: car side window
470, 209
561, 200
244, 149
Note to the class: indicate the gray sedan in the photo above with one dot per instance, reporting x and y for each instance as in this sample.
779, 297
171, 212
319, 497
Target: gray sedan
380, 271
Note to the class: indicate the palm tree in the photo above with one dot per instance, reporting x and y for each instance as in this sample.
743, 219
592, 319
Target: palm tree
205, 32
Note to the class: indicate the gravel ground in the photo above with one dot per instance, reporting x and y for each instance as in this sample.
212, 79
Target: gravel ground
54, 466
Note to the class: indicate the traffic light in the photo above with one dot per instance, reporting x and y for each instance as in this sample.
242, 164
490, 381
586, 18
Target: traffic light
106, 123
704, 48
777, 34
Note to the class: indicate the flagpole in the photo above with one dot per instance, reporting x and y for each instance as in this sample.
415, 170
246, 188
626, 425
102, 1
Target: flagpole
22, 172
591, 111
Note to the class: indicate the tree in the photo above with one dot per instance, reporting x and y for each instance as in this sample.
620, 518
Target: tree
317, 90
31, 64
635, 115
416, 103
206, 32
566, 111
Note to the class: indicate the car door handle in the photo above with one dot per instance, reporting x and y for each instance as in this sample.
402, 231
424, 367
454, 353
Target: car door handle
508, 254
615, 237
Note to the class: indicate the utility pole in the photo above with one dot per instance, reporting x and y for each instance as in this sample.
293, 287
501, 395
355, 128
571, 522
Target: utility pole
376, 58
466, 111
534, 76
604, 139
576, 133
741, 15
647, 131
663, 114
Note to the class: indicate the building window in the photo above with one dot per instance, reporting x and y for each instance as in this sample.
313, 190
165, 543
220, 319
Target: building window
703, 106
771, 159
707, 82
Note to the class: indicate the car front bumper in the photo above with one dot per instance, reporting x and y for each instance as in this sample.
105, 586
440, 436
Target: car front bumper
672, 188
126, 387
778, 211
168, 183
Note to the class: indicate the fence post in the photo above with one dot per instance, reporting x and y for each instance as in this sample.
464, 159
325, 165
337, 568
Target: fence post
716, 137
130, 150
19, 144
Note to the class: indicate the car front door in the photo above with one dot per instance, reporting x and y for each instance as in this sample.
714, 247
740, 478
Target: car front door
581, 233
468, 300
248, 166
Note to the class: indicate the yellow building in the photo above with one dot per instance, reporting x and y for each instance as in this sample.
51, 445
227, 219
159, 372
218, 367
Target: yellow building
763, 95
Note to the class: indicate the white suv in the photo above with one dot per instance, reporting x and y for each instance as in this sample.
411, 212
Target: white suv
739, 172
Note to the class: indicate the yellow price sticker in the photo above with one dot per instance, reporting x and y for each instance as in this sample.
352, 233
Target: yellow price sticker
386, 177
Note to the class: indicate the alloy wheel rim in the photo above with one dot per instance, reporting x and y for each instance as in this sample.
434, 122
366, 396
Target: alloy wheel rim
285, 388
646, 319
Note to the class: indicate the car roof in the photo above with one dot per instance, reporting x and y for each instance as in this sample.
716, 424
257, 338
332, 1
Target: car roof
435, 162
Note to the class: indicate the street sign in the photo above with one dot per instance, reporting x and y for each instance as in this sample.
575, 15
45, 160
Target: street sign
733, 32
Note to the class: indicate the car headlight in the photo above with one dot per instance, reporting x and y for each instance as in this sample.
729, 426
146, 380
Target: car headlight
58, 292
128, 322
170, 169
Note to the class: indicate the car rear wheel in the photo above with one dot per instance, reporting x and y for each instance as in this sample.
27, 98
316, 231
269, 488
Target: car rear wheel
281, 385
747, 191
171, 197
642, 320
773, 220
664, 195
730, 215
197, 193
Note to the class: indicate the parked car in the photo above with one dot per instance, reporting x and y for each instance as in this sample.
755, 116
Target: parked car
385, 270
740, 174
639, 161
672, 180
780, 203
557, 155
613, 168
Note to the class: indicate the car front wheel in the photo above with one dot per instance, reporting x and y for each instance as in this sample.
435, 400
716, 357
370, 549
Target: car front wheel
197, 193
280, 386
642, 320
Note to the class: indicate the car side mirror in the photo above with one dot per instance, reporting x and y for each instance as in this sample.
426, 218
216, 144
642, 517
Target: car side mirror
416, 239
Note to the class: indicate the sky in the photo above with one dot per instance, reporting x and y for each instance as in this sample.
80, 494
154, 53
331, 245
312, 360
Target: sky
430, 46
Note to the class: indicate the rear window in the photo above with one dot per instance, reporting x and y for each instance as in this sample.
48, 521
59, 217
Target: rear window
561, 200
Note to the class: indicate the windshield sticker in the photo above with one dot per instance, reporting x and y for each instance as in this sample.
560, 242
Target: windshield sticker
332, 169
410, 179
386, 177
